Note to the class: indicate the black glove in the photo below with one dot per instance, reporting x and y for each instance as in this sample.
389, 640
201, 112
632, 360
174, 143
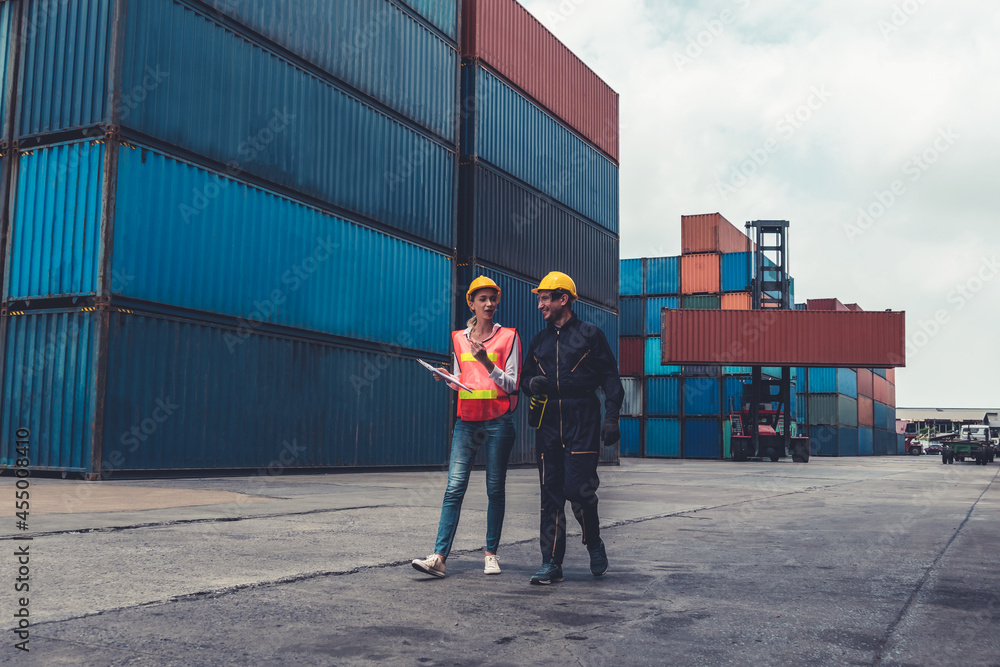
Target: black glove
539, 385
610, 433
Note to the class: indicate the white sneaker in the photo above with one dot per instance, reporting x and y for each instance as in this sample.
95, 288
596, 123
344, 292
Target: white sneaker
492, 565
432, 565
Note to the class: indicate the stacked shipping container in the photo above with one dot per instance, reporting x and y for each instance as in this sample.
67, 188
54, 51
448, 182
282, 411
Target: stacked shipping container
538, 188
842, 412
209, 203
685, 409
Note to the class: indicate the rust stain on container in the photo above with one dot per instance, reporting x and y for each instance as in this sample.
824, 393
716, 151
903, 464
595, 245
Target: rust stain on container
784, 338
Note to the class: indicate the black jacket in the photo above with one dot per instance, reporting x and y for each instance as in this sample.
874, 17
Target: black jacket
577, 360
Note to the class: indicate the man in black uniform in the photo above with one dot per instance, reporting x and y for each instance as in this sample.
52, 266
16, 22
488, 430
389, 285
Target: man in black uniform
567, 362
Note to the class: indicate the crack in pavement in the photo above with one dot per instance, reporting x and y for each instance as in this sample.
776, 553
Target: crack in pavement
923, 580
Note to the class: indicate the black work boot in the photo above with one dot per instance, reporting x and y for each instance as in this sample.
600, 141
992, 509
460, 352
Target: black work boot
598, 559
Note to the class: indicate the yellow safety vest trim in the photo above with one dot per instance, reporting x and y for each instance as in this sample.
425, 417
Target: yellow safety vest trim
480, 393
493, 356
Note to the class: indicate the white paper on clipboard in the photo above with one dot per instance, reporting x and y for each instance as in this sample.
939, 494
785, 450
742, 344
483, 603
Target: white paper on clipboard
447, 376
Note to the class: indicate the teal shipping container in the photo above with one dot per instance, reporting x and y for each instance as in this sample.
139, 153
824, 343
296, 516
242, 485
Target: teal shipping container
630, 280
653, 356
663, 275
654, 305
663, 438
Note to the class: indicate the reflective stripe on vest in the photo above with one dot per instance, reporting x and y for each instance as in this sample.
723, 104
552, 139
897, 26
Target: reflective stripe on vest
486, 400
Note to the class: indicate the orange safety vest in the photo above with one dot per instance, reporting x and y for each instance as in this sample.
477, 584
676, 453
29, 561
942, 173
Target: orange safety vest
487, 400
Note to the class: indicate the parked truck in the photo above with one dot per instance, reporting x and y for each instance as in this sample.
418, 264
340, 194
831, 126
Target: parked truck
973, 441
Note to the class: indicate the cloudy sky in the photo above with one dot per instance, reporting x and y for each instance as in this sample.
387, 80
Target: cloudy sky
872, 125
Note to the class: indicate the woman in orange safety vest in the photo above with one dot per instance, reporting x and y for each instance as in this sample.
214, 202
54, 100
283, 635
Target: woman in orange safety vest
487, 360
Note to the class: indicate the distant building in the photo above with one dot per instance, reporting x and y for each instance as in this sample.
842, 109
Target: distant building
944, 420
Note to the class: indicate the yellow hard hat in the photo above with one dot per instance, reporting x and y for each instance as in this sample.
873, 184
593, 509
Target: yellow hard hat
557, 280
478, 284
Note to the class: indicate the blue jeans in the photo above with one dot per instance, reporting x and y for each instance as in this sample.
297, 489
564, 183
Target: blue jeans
496, 436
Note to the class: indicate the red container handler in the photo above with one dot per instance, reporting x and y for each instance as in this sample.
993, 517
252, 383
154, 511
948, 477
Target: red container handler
631, 355
784, 338
710, 232
504, 35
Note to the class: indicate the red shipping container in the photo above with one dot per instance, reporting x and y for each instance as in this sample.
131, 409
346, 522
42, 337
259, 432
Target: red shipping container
504, 35
700, 273
631, 355
736, 301
881, 389
783, 338
826, 304
890, 375
865, 382
892, 395
866, 411
853, 307
710, 232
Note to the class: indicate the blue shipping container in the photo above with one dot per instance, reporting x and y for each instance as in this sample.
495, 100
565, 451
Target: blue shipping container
313, 404
834, 441
442, 14
652, 359
663, 396
847, 382
735, 268
631, 445
702, 439
866, 441
736, 370
373, 45
653, 316
510, 132
663, 275
822, 381
733, 393
504, 224
630, 281
238, 251
633, 314
885, 442
663, 438
194, 84
701, 396
880, 415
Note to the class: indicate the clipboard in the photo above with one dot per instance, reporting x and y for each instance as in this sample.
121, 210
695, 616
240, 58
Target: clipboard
447, 376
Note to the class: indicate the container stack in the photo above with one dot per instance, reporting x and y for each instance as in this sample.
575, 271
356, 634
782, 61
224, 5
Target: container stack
538, 179
232, 230
683, 412
847, 411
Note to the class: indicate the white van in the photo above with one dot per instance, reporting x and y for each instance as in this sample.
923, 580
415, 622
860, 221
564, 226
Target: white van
980, 432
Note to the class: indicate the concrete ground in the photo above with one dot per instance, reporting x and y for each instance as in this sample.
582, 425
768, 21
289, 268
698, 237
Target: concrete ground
874, 561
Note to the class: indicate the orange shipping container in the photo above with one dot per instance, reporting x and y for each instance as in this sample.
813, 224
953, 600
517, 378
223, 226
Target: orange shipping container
736, 301
881, 390
710, 232
866, 411
890, 375
865, 382
700, 273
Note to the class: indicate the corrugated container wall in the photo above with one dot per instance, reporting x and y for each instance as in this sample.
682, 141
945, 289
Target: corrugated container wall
736, 268
507, 225
631, 442
711, 233
663, 275
702, 439
663, 396
507, 130
663, 438
866, 441
248, 253
632, 405
258, 113
700, 274
360, 42
630, 282
631, 355
302, 393
653, 365
704, 301
735, 301
701, 396
632, 316
6, 9
783, 338
503, 34
442, 14
654, 305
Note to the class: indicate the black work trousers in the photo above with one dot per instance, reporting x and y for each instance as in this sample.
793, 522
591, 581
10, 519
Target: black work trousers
567, 448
